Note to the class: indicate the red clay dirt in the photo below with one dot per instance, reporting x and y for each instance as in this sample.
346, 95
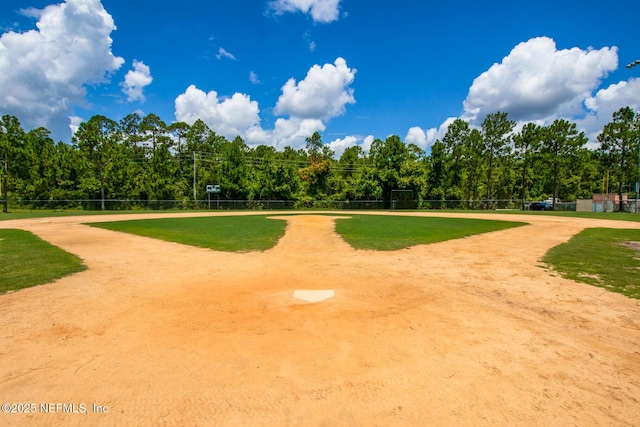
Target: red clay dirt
472, 331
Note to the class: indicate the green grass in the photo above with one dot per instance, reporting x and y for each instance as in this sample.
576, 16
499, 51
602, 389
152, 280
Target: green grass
26, 260
598, 256
221, 233
388, 233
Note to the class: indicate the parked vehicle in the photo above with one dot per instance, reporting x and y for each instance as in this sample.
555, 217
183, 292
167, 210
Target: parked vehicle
541, 206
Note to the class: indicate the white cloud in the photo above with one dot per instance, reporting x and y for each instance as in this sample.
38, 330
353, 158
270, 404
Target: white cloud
293, 132
323, 94
234, 116
339, 145
253, 78
537, 81
605, 102
30, 12
74, 123
322, 11
136, 80
622, 94
424, 138
366, 143
416, 136
310, 42
43, 72
222, 53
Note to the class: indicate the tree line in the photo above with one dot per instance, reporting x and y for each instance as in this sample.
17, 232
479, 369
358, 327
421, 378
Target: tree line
143, 158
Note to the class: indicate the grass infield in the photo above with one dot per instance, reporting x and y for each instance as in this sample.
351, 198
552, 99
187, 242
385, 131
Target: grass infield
390, 233
29, 261
222, 233
604, 257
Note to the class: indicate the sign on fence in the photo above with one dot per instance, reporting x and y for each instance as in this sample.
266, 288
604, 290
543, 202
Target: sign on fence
213, 189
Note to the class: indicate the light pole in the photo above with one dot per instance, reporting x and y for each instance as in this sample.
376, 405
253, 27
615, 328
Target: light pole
631, 65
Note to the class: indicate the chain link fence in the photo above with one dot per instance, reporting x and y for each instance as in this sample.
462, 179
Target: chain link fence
215, 204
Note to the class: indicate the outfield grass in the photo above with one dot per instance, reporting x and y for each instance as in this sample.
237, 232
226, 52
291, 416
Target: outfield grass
600, 257
29, 261
389, 233
220, 233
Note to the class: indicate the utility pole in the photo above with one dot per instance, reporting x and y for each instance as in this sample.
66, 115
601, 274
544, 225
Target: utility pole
195, 195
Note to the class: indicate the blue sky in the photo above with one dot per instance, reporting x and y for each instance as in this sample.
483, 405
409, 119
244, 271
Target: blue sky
275, 71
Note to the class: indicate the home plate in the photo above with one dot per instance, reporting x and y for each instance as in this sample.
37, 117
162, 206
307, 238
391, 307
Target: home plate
313, 296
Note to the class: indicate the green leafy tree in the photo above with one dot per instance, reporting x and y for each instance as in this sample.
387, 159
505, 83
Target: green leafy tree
179, 131
473, 149
560, 144
496, 131
455, 141
317, 174
11, 144
437, 174
348, 166
96, 140
234, 170
129, 127
367, 186
67, 165
204, 152
527, 144
38, 171
389, 158
272, 178
413, 173
154, 131
619, 146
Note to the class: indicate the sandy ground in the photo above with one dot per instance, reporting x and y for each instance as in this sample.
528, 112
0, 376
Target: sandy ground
467, 332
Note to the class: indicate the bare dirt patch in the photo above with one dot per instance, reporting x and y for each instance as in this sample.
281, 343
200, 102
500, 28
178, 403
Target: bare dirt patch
465, 332
631, 245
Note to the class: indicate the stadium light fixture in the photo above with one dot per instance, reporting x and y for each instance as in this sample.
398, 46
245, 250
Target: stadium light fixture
634, 63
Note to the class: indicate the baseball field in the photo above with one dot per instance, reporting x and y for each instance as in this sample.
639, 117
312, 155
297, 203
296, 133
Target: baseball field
475, 330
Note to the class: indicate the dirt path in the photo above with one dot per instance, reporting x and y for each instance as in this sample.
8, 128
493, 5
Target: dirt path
466, 332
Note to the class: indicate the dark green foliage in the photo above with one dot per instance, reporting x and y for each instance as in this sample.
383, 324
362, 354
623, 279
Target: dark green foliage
27, 260
620, 150
609, 258
561, 143
143, 159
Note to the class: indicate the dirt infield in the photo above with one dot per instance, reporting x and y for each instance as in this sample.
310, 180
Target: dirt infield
466, 332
